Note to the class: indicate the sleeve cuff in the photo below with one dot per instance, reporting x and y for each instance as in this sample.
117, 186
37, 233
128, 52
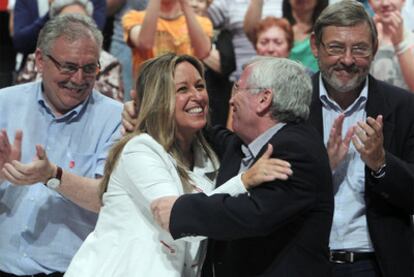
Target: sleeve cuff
234, 187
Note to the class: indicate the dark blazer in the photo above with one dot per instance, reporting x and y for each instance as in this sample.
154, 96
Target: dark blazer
281, 228
389, 200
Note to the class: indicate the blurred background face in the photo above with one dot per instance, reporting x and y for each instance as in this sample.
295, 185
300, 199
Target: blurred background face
303, 5
272, 42
168, 2
199, 6
75, 8
385, 8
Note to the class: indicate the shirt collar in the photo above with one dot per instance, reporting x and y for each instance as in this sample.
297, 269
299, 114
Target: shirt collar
253, 149
71, 114
330, 104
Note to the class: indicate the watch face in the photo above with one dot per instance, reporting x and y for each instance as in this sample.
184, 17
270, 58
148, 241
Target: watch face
53, 183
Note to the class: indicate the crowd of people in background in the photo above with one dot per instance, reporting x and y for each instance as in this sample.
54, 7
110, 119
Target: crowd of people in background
224, 36
257, 138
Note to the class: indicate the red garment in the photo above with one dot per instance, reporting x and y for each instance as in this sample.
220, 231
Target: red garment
3, 5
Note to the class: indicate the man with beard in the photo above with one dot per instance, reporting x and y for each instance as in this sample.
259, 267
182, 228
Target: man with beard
49, 176
372, 231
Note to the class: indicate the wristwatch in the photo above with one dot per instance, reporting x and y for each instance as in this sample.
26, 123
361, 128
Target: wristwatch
54, 182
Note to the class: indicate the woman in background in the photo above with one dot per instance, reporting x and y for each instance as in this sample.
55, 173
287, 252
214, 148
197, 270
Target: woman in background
273, 37
394, 60
166, 26
301, 14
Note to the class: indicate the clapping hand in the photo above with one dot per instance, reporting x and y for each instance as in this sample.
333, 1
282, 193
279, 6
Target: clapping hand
9, 152
393, 25
337, 146
39, 170
368, 141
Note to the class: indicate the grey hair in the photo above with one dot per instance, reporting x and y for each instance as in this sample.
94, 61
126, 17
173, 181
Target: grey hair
71, 27
290, 84
344, 13
57, 6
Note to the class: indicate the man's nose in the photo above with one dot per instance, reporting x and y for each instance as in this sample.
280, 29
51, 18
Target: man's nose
78, 76
347, 58
231, 101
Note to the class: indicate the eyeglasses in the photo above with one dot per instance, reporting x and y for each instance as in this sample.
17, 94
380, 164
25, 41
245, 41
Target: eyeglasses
340, 50
236, 88
70, 68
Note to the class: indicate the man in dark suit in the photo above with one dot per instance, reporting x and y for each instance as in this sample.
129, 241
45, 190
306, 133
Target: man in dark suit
372, 231
280, 228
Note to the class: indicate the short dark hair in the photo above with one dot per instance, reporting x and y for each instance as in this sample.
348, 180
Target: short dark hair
345, 13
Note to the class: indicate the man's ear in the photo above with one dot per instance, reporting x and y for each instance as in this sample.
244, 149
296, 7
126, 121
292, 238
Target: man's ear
39, 59
264, 101
314, 47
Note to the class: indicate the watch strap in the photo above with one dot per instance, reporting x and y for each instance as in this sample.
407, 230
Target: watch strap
59, 173
58, 176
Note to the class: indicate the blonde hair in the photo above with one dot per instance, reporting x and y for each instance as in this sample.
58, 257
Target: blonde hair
156, 114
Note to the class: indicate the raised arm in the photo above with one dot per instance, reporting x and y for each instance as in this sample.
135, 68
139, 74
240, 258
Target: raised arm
142, 36
27, 25
200, 40
403, 42
113, 6
405, 53
99, 13
252, 17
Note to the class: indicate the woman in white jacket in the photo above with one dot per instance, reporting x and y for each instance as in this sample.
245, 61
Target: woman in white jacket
166, 155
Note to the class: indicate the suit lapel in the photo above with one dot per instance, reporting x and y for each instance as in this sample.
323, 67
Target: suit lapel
315, 116
377, 105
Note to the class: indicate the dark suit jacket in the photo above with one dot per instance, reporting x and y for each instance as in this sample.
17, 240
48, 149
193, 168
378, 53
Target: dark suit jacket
282, 228
389, 200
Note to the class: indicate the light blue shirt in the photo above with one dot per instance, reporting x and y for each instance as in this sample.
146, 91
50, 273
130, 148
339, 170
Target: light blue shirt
40, 230
349, 227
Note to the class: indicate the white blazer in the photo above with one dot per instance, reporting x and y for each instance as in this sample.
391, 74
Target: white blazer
127, 241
